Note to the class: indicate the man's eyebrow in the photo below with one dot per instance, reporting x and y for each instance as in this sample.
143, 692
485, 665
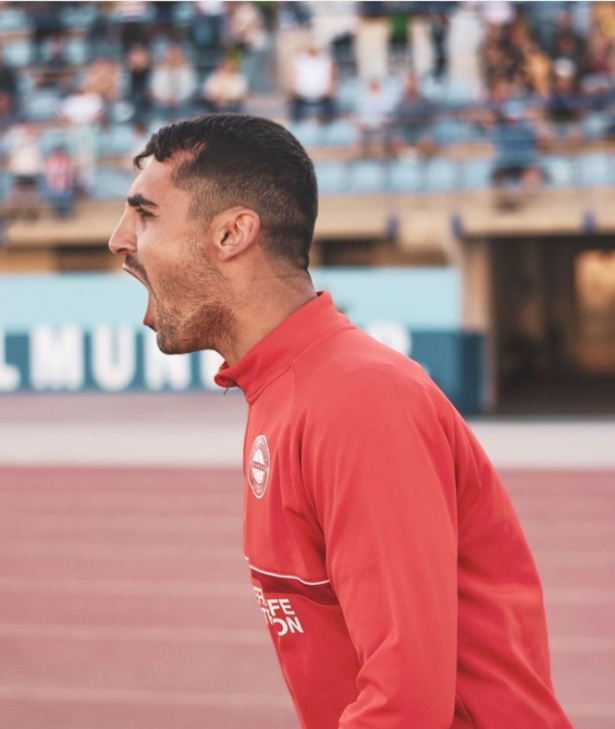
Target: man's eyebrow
138, 201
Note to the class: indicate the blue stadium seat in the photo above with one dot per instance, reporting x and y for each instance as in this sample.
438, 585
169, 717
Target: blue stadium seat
450, 130
112, 183
41, 105
476, 173
332, 177
594, 169
5, 184
52, 138
13, 18
405, 175
348, 92
77, 51
117, 139
367, 176
18, 52
79, 15
596, 124
559, 170
441, 175
309, 132
340, 133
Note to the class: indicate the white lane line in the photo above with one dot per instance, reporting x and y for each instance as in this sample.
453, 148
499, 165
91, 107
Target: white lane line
125, 552
579, 596
113, 522
223, 636
94, 443
590, 711
144, 697
582, 644
17, 585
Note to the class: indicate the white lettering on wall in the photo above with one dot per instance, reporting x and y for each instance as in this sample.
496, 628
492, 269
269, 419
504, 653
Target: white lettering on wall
56, 358
10, 377
392, 334
161, 369
209, 362
114, 357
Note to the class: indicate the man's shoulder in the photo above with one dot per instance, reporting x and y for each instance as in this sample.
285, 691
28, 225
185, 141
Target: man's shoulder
352, 364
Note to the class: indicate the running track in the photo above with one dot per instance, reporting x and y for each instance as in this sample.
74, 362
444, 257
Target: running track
125, 601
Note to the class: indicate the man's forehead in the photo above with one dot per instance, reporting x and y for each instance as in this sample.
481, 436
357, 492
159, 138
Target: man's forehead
155, 181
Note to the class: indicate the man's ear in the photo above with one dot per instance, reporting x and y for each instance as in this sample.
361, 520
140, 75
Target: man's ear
234, 231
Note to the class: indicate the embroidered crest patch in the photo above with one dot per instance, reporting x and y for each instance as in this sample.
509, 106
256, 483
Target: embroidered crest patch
258, 466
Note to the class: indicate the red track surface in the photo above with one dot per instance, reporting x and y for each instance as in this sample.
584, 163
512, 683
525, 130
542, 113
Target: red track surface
125, 601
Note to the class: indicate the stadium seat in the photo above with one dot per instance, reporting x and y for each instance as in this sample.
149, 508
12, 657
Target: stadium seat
440, 175
405, 175
450, 130
332, 177
41, 105
13, 18
367, 176
78, 15
111, 183
18, 52
596, 124
340, 133
594, 169
348, 93
476, 173
559, 170
52, 138
309, 132
117, 139
77, 51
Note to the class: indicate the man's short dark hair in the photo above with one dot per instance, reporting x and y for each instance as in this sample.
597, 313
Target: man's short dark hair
236, 159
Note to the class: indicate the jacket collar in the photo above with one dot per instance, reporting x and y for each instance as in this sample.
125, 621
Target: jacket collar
272, 356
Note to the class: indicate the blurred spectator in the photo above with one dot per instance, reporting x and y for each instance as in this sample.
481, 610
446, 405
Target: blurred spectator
25, 166
502, 55
246, 33
226, 88
537, 70
46, 19
139, 67
81, 112
9, 99
56, 73
174, 81
564, 108
515, 137
103, 79
206, 31
314, 83
373, 117
568, 43
412, 119
60, 182
293, 34
131, 17
438, 30
372, 40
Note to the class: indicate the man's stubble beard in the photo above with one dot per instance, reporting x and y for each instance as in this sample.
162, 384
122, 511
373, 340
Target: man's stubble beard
205, 323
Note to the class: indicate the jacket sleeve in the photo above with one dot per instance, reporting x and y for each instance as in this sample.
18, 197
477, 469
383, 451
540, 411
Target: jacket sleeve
380, 473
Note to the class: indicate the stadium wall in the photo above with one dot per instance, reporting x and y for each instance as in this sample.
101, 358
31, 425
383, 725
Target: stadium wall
83, 332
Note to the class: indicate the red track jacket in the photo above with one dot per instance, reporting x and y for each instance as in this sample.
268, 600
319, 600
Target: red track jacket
385, 554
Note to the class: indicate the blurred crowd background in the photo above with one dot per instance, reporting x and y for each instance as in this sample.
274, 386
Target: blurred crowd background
476, 137
85, 81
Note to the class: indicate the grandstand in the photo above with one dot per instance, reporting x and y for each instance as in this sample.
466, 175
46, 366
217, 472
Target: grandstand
523, 252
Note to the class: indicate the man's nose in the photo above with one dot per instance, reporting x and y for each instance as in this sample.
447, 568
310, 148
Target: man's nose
122, 241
